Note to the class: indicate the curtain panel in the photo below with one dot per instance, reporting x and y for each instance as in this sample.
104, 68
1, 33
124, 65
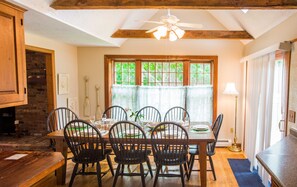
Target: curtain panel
198, 100
259, 104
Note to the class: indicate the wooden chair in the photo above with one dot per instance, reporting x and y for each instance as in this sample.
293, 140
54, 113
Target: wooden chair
58, 119
116, 112
148, 113
170, 148
177, 114
129, 145
210, 147
87, 146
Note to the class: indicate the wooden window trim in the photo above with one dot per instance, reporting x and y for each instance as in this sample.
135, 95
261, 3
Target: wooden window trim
108, 73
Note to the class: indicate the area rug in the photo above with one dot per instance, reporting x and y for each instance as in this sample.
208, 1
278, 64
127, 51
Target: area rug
243, 175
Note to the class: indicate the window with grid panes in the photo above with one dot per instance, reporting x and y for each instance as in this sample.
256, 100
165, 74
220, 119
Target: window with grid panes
200, 73
124, 73
194, 75
160, 73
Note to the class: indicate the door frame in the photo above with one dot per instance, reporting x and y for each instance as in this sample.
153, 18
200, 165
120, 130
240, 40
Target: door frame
50, 74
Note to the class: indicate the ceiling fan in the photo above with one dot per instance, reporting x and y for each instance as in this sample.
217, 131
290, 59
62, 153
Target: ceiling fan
171, 24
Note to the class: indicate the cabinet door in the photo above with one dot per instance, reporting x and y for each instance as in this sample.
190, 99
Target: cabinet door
12, 57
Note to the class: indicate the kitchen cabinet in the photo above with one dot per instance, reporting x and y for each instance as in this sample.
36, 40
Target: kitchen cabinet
13, 82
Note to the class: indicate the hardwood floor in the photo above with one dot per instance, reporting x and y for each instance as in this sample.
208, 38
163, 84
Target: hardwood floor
225, 177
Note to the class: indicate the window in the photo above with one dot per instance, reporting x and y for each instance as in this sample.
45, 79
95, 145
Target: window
162, 73
124, 73
200, 73
187, 81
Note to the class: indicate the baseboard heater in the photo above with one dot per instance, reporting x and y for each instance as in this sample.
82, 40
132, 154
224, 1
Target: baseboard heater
223, 143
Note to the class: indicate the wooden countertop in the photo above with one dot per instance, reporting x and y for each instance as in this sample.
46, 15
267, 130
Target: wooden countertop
280, 161
29, 169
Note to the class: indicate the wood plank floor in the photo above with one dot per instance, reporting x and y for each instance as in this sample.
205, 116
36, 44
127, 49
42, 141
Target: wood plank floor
225, 177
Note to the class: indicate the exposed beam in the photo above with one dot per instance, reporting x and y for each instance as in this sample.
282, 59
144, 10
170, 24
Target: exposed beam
189, 34
174, 4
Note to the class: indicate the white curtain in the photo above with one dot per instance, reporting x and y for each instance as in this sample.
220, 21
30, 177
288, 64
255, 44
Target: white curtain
124, 96
161, 97
260, 81
200, 103
198, 100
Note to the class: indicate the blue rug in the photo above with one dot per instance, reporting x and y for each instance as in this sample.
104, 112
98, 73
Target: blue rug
243, 175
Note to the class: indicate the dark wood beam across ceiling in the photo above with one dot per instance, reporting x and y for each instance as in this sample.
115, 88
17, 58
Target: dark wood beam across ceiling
174, 4
189, 34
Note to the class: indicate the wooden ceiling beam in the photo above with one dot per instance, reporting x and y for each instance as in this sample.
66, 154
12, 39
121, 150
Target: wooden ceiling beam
189, 34
174, 4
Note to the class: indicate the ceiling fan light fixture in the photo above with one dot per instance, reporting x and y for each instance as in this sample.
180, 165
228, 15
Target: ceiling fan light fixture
172, 36
157, 35
162, 31
179, 32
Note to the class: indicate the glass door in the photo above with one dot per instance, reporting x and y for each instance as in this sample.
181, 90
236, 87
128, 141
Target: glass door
280, 91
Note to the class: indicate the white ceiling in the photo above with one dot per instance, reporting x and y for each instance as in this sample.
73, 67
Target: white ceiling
94, 27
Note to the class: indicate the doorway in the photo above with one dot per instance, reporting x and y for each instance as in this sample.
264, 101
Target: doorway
41, 91
280, 97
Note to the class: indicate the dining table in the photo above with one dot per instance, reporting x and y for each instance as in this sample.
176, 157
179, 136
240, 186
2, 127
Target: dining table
25, 168
195, 138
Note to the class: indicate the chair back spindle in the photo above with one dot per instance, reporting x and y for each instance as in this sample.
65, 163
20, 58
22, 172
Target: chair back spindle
116, 112
148, 113
177, 114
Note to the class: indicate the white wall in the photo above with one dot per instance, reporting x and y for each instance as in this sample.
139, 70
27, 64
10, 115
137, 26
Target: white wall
91, 63
65, 62
285, 31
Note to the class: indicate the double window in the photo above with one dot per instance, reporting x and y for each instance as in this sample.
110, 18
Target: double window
163, 82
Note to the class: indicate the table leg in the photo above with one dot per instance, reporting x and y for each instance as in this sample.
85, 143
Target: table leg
61, 146
202, 161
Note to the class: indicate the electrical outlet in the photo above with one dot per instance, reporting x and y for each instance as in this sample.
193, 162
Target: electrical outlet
292, 116
231, 130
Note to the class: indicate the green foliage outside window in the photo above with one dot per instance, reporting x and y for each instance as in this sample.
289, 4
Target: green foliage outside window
162, 73
200, 74
125, 73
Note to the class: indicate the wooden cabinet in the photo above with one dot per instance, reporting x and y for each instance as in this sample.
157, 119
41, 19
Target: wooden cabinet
13, 82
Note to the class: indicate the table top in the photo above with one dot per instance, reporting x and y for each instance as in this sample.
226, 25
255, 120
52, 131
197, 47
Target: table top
193, 137
280, 161
28, 169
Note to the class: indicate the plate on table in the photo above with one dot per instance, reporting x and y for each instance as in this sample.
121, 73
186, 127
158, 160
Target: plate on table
200, 128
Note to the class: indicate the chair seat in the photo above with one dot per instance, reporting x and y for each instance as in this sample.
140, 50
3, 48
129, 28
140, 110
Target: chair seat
195, 151
170, 158
91, 156
133, 156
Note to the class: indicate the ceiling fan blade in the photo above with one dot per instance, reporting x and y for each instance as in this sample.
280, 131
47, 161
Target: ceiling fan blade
156, 22
198, 26
152, 30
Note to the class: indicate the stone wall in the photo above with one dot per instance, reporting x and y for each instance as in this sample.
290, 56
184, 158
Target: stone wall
33, 115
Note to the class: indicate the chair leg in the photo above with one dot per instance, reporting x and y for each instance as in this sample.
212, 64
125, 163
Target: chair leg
186, 170
149, 166
212, 168
191, 164
122, 169
73, 174
83, 168
142, 175
182, 175
157, 174
116, 175
99, 174
110, 165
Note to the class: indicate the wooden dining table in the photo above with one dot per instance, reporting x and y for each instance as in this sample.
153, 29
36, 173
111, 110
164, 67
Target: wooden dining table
25, 168
200, 139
